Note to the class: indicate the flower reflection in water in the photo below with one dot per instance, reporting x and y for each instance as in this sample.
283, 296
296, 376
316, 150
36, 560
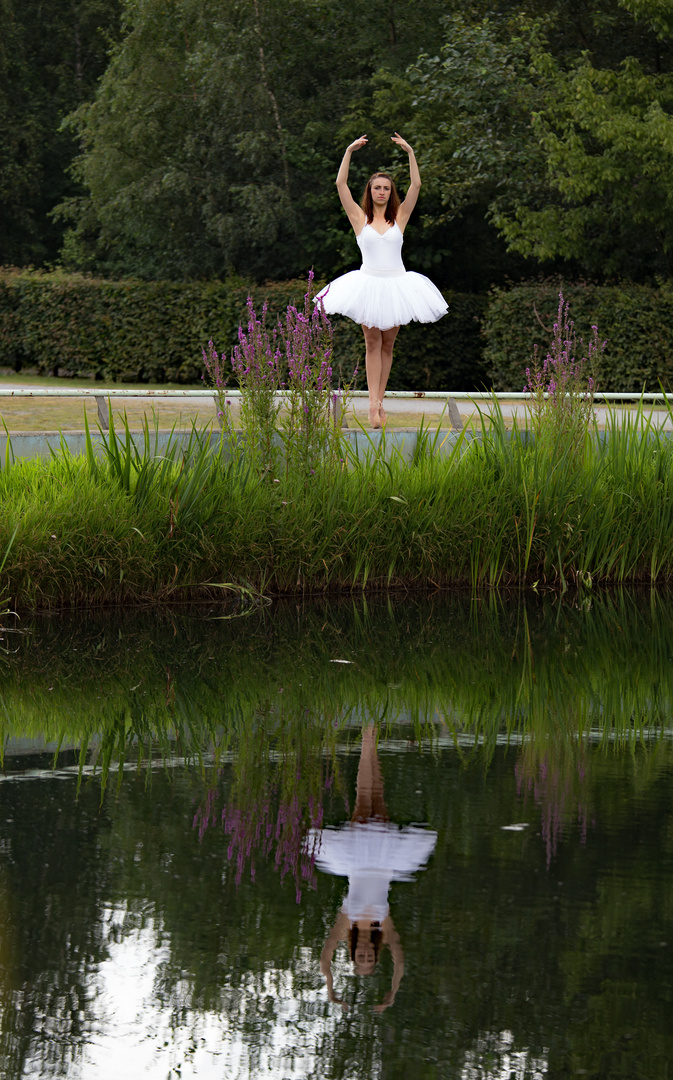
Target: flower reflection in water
275, 801
555, 772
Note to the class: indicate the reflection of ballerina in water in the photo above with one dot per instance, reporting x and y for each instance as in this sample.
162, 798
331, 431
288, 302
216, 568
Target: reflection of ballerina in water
371, 852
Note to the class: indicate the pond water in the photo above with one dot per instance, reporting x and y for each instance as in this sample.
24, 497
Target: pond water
196, 812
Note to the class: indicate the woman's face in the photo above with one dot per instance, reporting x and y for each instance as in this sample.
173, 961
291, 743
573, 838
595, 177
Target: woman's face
364, 960
380, 188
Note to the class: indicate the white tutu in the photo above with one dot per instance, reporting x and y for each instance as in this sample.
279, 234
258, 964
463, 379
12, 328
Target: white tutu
382, 293
384, 302
371, 854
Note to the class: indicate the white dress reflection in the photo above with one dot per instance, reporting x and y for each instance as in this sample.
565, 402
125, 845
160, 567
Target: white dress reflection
371, 852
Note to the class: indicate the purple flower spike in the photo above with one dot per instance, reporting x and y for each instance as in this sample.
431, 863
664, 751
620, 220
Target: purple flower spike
561, 386
294, 357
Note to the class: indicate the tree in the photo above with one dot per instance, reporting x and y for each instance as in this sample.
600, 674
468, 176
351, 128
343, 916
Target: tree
570, 147
51, 55
216, 132
607, 139
19, 144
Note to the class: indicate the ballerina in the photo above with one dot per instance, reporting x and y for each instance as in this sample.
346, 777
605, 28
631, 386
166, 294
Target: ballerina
381, 295
371, 852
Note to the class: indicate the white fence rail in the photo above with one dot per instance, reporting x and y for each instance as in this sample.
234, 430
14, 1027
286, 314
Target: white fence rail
430, 395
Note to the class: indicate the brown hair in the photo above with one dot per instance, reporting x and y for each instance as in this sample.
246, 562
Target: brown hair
392, 205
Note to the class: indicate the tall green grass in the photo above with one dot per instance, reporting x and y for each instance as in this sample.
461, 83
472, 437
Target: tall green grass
497, 510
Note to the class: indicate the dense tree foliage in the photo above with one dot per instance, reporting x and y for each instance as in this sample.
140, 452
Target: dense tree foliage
209, 134
52, 53
560, 123
215, 136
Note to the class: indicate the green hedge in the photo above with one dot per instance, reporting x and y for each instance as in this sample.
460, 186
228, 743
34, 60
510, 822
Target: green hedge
127, 331
636, 321
134, 331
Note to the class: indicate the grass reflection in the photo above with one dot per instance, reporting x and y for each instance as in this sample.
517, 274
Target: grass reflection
122, 689
281, 694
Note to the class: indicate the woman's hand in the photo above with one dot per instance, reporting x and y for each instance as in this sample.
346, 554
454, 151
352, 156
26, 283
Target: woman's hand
386, 1003
357, 145
397, 138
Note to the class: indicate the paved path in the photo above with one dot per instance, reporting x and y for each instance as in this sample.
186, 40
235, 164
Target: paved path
432, 409
403, 412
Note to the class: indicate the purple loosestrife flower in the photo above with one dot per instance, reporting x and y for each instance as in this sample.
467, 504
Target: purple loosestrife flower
562, 387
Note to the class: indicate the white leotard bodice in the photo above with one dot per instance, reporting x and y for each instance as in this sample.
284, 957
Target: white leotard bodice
382, 252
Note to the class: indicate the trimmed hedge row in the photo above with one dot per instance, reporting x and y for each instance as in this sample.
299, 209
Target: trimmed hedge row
136, 331
636, 321
127, 331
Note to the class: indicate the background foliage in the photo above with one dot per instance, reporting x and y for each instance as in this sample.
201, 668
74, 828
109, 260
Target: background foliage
154, 330
636, 321
51, 57
207, 136
214, 135
557, 121
186, 140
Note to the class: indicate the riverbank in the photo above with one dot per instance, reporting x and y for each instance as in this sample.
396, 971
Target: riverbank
497, 511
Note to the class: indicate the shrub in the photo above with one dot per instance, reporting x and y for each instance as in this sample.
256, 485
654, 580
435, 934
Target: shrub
154, 331
119, 330
637, 321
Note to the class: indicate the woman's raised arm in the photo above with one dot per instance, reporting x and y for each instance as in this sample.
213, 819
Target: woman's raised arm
338, 933
392, 939
404, 212
355, 213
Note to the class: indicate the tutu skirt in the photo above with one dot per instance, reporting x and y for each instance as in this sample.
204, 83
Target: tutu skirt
384, 298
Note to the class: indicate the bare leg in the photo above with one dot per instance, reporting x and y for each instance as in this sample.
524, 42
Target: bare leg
373, 365
369, 799
387, 342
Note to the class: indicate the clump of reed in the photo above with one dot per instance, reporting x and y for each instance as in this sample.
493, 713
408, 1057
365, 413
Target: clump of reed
498, 510
563, 386
294, 359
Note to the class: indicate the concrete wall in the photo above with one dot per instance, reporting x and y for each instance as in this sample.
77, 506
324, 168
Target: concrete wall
26, 445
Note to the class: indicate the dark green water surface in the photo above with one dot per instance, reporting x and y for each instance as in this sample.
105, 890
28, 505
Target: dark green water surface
167, 778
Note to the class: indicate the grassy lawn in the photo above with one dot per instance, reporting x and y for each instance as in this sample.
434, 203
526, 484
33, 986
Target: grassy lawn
67, 414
